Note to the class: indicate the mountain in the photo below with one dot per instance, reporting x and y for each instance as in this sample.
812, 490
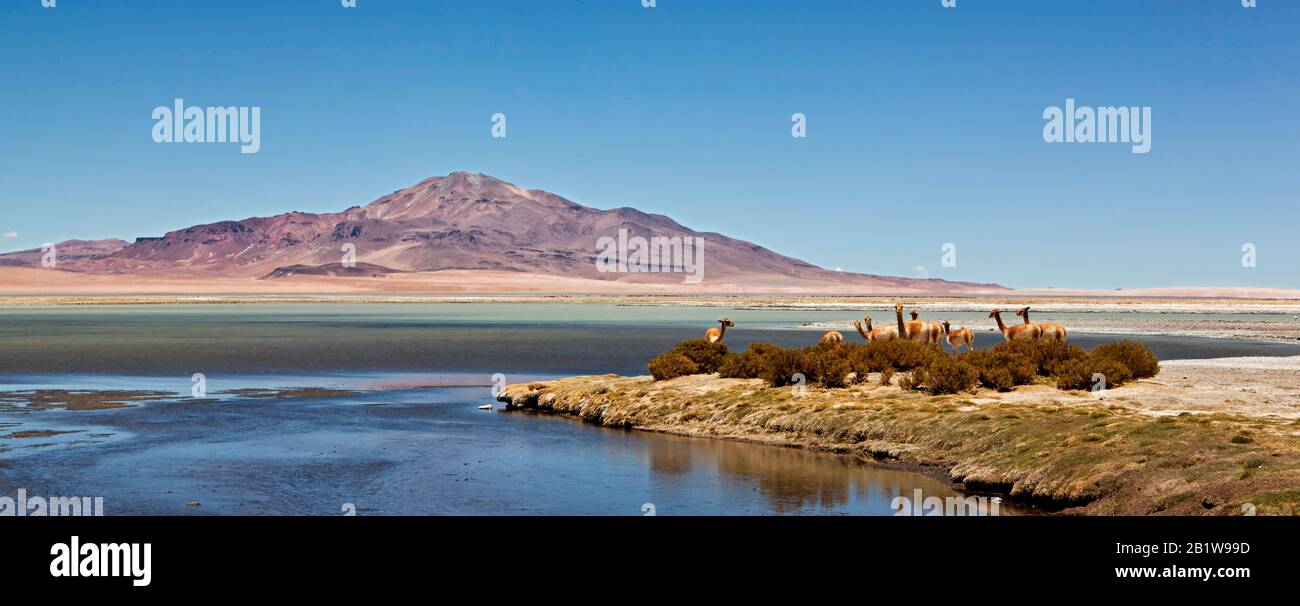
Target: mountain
462, 221
67, 251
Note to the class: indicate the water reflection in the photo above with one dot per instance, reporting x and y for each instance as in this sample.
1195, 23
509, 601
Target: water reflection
790, 481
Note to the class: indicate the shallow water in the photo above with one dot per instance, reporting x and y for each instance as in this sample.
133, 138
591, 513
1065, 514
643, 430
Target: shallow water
324, 339
411, 439
431, 451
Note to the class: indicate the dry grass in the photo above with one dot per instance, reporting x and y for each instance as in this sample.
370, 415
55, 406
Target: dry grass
1041, 445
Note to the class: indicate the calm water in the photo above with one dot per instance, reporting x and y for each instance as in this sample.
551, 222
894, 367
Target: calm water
400, 446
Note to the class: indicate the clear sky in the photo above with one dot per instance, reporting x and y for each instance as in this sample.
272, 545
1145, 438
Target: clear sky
925, 124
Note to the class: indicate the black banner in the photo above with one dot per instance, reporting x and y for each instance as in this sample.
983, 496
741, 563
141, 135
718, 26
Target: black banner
324, 555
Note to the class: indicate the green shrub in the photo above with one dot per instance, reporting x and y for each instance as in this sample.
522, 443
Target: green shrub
944, 375
1078, 374
1116, 374
996, 378
1001, 369
827, 364
1047, 356
1137, 357
1023, 370
782, 365
748, 364
733, 367
899, 355
707, 356
670, 365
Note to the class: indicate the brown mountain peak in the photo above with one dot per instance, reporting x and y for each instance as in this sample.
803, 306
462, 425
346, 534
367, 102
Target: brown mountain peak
461, 221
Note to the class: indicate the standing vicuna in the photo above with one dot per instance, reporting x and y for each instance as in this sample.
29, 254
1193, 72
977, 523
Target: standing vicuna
909, 331
1018, 332
884, 333
959, 337
714, 335
1050, 332
833, 336
933, 331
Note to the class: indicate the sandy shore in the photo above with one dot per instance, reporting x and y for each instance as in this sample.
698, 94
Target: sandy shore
37, 282
1256, 386
224, 292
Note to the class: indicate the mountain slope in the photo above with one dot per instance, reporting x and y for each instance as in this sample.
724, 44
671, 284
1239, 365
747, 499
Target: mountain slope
67, 251
463, 221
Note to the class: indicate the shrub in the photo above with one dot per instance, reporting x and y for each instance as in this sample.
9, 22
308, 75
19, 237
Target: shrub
1141, 363
748, 364
1022, 370
827, 364
944, 375
1078, 374
1048, 356
733, 367
707, 356
1001, 369
899, 355
996, 378
887, 375
670, 365
782, 365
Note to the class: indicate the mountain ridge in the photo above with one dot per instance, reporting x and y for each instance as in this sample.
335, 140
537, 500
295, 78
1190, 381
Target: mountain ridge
461, 221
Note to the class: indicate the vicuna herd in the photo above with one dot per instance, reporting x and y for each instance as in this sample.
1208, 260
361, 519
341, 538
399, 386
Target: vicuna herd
928, 332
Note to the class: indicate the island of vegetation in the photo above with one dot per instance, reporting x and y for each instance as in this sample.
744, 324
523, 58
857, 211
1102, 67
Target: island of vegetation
1043, 422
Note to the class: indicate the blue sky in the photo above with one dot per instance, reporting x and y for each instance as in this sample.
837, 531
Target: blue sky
924, 123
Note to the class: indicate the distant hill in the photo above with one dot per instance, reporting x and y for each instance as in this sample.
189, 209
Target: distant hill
462, 221
70, 252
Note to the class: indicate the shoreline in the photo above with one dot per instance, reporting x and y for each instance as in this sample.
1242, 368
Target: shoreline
1264, 321
1192, 441
934, 472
